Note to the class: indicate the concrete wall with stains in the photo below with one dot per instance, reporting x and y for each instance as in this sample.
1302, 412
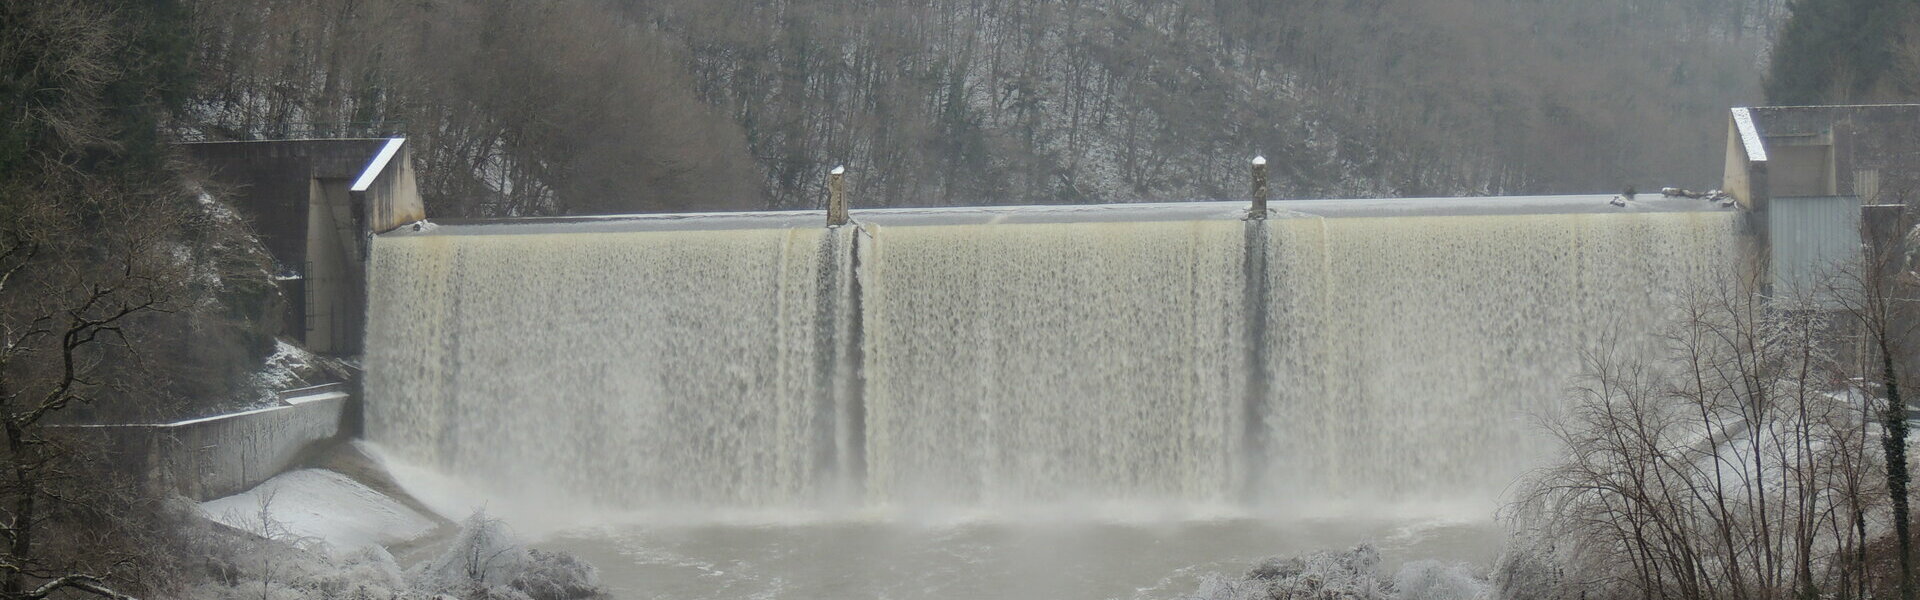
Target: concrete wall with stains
223, 455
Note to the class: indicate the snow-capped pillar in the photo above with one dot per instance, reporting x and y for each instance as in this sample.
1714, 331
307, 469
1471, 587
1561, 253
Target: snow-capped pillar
1259, 209
837, 197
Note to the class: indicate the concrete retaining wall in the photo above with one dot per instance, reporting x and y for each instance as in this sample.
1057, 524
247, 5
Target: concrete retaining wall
220, 456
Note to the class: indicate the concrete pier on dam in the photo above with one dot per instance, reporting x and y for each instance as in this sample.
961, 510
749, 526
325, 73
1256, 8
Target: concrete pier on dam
1337, 355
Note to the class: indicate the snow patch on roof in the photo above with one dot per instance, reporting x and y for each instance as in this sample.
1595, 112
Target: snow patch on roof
378, 164
1749, 135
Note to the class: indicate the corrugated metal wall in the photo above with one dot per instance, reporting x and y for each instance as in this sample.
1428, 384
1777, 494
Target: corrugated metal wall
1811, 237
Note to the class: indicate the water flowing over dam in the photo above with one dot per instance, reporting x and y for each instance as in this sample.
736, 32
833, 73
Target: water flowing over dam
1339, 353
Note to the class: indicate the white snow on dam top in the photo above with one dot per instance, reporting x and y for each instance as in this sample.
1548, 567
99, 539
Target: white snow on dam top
1080, 213
1340, 356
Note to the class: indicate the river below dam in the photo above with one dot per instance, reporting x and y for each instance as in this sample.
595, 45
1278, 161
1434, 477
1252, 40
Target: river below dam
1082, 551
1067, 559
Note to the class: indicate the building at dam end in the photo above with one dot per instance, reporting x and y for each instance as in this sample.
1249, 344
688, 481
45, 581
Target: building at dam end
1822, 179
1868, 152
315, 204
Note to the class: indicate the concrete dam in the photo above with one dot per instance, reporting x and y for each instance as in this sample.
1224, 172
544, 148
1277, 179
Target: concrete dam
1340, 355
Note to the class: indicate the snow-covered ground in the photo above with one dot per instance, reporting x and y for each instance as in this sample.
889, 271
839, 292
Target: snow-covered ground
289, 366
322, 505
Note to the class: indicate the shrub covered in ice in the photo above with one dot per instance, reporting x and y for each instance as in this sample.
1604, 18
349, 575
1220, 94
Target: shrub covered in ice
367, 572
1346, 575
484, 554
1538, 567
274, 570
1434, 580
1351, 574
557, 576
483, 562
486, 562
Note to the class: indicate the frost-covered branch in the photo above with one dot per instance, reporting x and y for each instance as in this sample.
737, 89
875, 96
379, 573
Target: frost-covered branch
85, 583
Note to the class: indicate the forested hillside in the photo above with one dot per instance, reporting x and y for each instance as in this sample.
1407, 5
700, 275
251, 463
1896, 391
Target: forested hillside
1847, 52
963, 101
587, 106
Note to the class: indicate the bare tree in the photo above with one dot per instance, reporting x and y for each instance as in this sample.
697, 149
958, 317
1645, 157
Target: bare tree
72, 328
1876, 292
1733, 466
90, 251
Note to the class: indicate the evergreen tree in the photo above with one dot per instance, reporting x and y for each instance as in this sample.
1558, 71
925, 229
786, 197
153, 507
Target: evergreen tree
1833, 51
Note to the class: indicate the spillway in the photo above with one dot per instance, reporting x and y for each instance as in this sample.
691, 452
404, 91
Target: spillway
1340, 352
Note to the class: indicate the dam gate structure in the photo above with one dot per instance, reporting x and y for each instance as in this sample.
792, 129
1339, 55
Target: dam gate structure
1333, 355
1823, 180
